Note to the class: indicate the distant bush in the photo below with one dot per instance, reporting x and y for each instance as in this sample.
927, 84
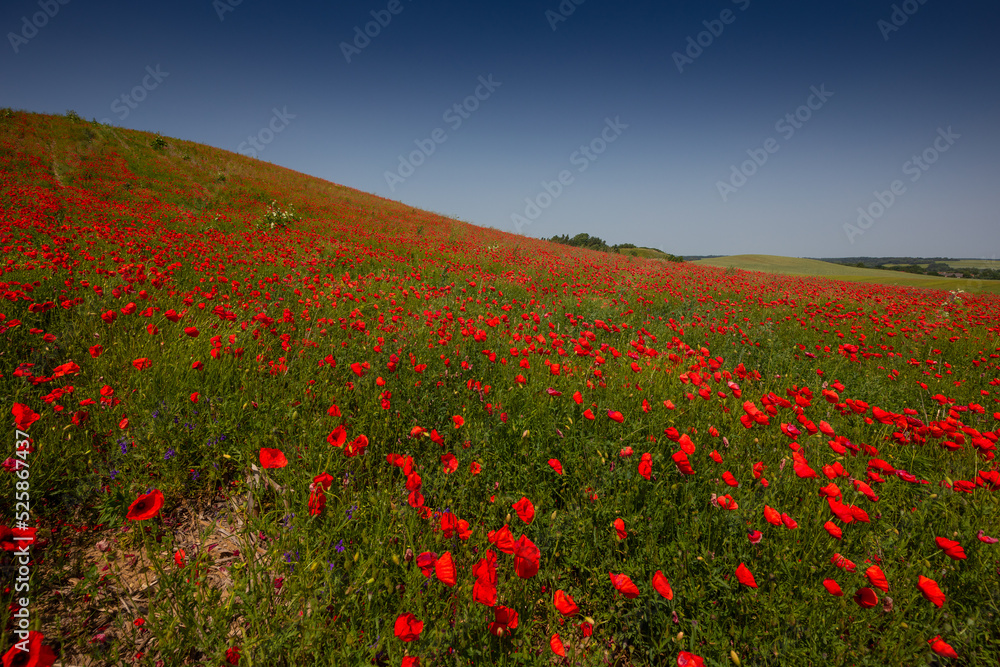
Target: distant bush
159, 143
74, 116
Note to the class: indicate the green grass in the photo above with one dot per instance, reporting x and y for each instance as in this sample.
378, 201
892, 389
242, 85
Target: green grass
795, 266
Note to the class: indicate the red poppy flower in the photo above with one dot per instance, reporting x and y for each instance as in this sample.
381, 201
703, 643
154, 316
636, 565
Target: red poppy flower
356, 446
272, 458
556, 465
646, 465
951, 548
662, 586
410, 661
832, 587
502, 539
524, 509
337, 437
475, 468
323, 479
624, 585
317, 499
681, 460
526, 557
69, 368
685, 659
450, 463
485, 589
146, 506
233, 655
179, 556
564, 604
96, 351
504, 621
931, 591
557, 646
484, 593
194, 397
833, 529
408, 627
444, 569
843, 563
191, 331
728, 478
866, 598
755, 536
458, 420
831, 490
620, 529
789, 522
942, 648
772, 516
727, 502
877, 578
588, 414
142, 363
426, 561
38, 654
983, 537
24, 416
578, 398
745, 577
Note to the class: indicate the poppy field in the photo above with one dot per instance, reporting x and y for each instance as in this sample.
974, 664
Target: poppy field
260, 419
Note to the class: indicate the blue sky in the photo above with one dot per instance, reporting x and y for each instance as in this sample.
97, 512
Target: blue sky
717, 127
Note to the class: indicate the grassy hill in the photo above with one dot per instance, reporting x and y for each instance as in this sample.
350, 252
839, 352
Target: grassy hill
378, 436
795, 266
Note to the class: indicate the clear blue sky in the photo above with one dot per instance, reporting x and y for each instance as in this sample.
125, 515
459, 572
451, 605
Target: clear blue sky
674, 126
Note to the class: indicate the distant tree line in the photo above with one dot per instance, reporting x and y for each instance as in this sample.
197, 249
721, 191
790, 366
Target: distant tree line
584, 240
936, 266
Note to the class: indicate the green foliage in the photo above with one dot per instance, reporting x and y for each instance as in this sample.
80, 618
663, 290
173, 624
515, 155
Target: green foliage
158, 143
277, 218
